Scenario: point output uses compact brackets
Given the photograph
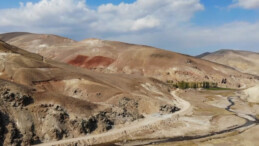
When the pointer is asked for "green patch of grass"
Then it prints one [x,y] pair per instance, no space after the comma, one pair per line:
[193,85]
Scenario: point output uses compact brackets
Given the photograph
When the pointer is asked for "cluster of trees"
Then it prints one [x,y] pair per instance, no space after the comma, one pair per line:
[186,85]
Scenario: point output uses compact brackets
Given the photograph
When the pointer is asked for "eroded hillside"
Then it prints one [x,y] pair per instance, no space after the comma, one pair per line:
[43,100]
[97,92]
[118,57]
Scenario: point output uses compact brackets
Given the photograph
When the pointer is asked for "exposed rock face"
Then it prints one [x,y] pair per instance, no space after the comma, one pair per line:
[169,109]
[53,121]
[10,102]
[129,109]
[16,99]
[4,120]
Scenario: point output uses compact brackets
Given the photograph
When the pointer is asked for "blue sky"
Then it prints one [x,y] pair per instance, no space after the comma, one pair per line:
[185,26]
[217,13]
[92,3]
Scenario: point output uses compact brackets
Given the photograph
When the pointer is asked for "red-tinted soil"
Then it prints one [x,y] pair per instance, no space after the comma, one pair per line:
[96,61]
[79,60]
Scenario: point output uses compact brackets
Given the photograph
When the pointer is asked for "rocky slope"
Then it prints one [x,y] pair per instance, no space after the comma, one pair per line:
[244,61]
[113,93]
[42,100]
[118,57]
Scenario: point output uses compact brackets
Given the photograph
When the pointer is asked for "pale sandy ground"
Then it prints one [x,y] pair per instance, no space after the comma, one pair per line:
[247,136]
[202,113]
[134,127]
[252,94]
[211,104]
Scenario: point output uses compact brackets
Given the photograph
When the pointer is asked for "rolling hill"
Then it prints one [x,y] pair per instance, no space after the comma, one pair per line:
[42,100]
[118,57]
[56,91]
[243,61]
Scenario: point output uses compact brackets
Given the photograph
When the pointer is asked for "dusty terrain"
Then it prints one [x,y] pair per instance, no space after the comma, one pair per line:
[118,57]
[244,61]
[241,134]
[251,94]
[206,118]
[42,100]
[94,92]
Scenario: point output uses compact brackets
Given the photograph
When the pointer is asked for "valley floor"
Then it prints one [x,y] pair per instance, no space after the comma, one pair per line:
[206,117]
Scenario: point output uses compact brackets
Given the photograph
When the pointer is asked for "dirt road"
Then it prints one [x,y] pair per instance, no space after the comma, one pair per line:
[115,134]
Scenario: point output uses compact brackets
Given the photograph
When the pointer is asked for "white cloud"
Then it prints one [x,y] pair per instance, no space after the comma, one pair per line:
[196,40]
[146,22]
[246,4]
[161,23]
[140,15]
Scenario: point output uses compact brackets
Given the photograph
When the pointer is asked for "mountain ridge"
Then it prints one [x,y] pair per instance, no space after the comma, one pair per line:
[244,61]
[118,57]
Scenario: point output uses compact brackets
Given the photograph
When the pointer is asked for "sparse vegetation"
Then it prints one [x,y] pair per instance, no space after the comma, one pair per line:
[194,85]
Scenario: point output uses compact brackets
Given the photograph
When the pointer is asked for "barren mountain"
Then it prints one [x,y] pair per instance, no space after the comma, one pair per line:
[118,57]
[42,100]
[95,92]
[33,42]
[244,61]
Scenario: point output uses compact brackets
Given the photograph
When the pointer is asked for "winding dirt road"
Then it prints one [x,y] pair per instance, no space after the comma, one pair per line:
[251,121]
[115,134]
[149,120]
